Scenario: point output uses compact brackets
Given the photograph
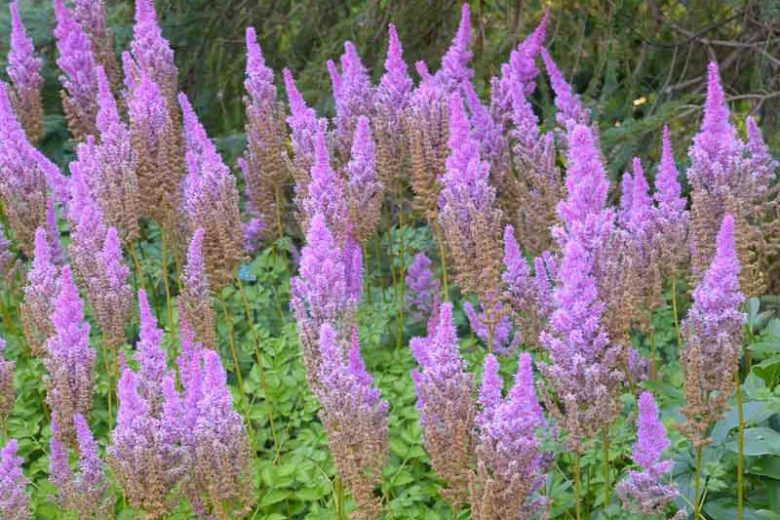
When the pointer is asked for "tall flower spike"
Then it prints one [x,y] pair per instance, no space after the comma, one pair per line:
[570,109]
[150,356]
[455,69]
[195,298]
[265,164]
[304,126]
[221,453]
[53,233]
[145,455]
[713,332]
[527,301]
[422,296]
[510,464]
[155,143]
[393,95]
[671,217]
[79,82]
[24,180]
[83,493]
[355,419]
[584,367]
[211,202]
[6,384]
[24,69]
[70,359]
[320,293]
[354,98]
[39,296]
[364,190]
[470,217]
[88,229]
[326,192]
[111,295]
[91,16]
[117,188]
[444,400]
[14,502]
[152,52]
[644,492]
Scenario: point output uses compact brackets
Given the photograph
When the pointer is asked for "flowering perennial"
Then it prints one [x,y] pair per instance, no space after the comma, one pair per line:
[6,384]
[24,69]
[39,296]
[422,296]
[14,502]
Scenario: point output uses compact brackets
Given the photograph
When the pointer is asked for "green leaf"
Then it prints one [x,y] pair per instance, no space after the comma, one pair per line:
[767,466]
[273,497]
[758,441]
[754,413]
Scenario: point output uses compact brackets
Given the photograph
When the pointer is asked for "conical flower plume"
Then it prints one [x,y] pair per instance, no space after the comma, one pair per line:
[91,16]
[24,69]
[455,69]
[363,190]
[77,63]
[265,163]
[39,296]
[150,356]
[69,362]
[117,188]
[570,109]
[14,502]
[671,217]
[444,401]
[151,52]
[355,419]
[713,333]
[110,292]
[304,126]
[195,298]
[422,294]
[84,492]
[320,293]
[23,184]
[510,463]
[327,192]
[645,492]
[155,144]
[354,96]
[211,202]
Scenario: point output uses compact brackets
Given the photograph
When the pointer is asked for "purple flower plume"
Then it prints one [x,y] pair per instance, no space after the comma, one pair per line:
[423,287]
[151,52]
[354,96]
[39,295]
[24,69]
[326,192]
[455,69]
[14,502]
[6,384]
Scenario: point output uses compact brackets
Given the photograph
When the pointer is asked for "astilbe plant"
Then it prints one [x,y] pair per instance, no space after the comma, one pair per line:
[91,16]
[304,128]
[730,176]
[110,293]
[79,82]
[9,264]
[354,97]
[643,491]
[713,334]
[326,193]
[152,53]
[53,233]
[211,202]
[355,419]
[69,361]
[445,404]
[363,189]
[422,296]
[510,462]
[85,491]
[320,293]
[195,298]
[39,296]
[150,357]
[471,219]
[505,338]
[155,144]
[455,71]
[570,111]
[145,456]
[583,369]
[23,178]
[265,163]
[24,70]
[116,189]
[14,502]
[391,100]
[6,384]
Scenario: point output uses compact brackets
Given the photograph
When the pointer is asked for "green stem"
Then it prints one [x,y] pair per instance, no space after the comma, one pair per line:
[577,484]
[164,273]
[697,485]
[740,447]
[107,364]
[234,355]
[605,448]
[653,355]
[139,273]
[443,260]
[338,488]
